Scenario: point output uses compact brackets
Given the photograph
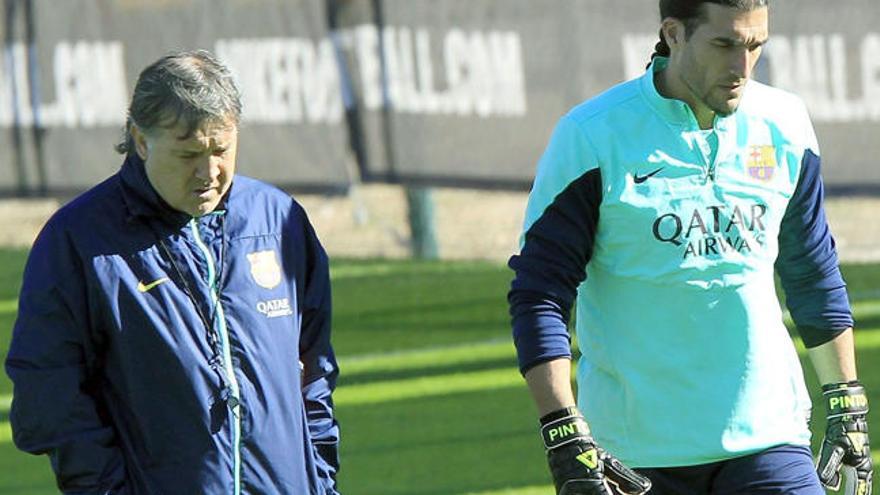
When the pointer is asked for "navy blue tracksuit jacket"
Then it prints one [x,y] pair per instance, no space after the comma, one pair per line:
[155,353]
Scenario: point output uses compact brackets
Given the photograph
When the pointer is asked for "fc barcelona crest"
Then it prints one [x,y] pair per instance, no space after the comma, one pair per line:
[265,268]
[761,162]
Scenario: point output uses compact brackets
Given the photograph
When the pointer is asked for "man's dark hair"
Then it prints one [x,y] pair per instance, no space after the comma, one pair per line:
[692,14]
[191,87]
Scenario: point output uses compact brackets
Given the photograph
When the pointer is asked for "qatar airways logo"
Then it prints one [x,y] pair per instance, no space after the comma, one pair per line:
[713,230]
[274,308]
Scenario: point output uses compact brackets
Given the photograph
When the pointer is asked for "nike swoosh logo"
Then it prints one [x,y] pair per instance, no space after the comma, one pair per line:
[145,287]
[638,179]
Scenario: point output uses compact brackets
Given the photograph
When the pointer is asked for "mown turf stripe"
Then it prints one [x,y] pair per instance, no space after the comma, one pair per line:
[867,340]
[5,428]
[489,350]
[430,357]
[5,432]
[362,270]
[8,306]
[433,386]
[494,349]
[865,294]
[866,308]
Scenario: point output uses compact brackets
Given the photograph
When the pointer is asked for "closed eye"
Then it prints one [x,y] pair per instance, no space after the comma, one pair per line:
[756,46]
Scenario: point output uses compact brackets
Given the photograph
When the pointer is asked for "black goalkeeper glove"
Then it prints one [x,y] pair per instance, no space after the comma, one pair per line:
[846,438]
[578,465]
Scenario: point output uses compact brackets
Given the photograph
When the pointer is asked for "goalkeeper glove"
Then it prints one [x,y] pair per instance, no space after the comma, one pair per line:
[846,437]
[578,465]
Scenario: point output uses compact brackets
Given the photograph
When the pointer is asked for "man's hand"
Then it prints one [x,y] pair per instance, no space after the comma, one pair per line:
[578,465]
[846,437]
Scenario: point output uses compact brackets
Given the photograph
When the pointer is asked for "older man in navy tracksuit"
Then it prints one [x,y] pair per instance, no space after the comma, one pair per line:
[173,334]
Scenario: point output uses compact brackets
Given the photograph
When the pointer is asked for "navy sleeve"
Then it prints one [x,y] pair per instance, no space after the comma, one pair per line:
[807,263]
[52,364]
[549,269]
[320,369]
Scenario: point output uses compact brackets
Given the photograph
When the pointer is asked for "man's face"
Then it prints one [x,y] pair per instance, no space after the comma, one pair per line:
[190,174]
[718,58]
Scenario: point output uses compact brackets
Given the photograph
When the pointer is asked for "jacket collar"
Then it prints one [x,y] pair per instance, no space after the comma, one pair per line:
[675,111]
[142,200]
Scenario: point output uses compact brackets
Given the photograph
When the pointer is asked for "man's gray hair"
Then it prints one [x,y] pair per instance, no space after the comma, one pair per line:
[191,87]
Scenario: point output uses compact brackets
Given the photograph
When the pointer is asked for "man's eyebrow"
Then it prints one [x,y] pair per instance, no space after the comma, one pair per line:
[740,41]
[188,147]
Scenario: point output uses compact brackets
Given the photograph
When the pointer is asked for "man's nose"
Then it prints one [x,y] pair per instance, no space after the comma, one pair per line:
[742,62]
[208,168]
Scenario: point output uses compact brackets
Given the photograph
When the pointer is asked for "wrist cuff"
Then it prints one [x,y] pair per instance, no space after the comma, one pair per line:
[844,399]
[564,430]
[559,414]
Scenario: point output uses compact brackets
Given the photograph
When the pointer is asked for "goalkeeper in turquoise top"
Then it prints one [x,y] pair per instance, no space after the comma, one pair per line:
[662,209]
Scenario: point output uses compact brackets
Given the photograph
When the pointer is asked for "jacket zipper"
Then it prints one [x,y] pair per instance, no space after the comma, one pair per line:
[220,325]
[707,157]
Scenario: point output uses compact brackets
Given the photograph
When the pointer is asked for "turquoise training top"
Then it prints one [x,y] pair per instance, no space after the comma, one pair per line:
[667,237]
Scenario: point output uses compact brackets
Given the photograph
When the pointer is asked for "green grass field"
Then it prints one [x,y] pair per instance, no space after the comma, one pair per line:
[430,400]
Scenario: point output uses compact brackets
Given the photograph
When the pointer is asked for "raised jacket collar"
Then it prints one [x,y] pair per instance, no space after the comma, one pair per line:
[675,111]
[141,198]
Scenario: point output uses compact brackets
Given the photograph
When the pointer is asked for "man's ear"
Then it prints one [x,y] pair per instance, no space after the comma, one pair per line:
[140,141]
[673,31]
